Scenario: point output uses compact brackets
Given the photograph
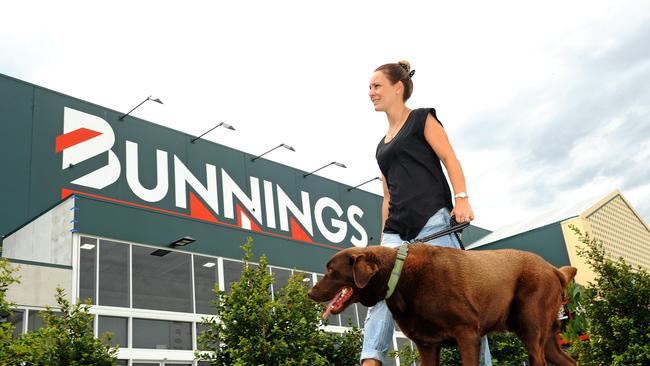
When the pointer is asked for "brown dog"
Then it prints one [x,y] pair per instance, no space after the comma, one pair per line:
[446,296]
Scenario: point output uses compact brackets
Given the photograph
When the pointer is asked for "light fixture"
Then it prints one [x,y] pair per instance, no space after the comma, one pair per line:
[368,181]
[141,103]
[183,241]
[87,246]
[224,124]
[306,279]
[160,252]
[324,166]
[209,265]
[281,145]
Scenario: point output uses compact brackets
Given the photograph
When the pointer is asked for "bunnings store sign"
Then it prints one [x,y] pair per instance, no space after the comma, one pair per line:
[63,145]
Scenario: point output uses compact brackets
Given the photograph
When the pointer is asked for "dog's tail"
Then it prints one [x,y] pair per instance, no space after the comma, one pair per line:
[566,274]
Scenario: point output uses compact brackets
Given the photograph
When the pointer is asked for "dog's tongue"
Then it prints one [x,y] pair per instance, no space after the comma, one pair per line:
[338,300]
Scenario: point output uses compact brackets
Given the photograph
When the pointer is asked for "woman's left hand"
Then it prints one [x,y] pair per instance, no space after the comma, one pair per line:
[462,211]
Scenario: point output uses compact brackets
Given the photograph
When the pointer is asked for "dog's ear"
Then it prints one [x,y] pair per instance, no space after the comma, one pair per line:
[363,270]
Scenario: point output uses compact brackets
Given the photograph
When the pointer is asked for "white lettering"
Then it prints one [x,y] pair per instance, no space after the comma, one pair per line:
[270,204]
[230,189]
[363,240]
[285,204]
[182,175]
[133,179]
[337,236]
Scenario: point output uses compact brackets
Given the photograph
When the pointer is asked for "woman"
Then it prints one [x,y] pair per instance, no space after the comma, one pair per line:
[417,197]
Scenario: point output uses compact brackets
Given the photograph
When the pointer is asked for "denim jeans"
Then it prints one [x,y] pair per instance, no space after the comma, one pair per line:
[378,328]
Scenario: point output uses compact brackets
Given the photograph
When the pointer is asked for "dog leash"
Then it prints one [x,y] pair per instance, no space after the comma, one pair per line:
[403,250]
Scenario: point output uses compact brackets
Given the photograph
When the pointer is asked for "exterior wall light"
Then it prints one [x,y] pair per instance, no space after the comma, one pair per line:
[281,145]
[141,103]
[323,167]
[224,124]
[183,241]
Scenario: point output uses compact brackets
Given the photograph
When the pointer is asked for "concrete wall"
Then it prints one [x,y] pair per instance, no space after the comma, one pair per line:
[38,285]
[47,239]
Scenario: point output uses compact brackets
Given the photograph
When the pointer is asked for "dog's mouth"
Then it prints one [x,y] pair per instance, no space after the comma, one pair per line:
[337,304]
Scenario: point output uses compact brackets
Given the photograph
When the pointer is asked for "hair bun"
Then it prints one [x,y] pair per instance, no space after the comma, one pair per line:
[405,65]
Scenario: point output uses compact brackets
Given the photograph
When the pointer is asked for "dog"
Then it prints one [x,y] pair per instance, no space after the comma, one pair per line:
[448,296]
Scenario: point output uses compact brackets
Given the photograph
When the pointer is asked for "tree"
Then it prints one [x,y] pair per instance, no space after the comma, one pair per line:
[6,328]
[617,308]
[253,328]
[66,340]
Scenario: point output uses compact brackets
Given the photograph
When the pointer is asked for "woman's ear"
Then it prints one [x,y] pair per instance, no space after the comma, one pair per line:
[362,270]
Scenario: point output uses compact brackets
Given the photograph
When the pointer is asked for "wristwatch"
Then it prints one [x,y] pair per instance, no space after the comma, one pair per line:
[461,195]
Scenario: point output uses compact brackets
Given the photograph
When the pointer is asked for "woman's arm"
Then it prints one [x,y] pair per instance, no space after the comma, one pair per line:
[437,138]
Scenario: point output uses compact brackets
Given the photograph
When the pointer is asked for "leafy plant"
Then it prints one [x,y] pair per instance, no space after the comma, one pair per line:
[617,306]
[253,328]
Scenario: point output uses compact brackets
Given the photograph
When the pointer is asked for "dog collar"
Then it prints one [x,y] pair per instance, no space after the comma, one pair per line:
[402,252]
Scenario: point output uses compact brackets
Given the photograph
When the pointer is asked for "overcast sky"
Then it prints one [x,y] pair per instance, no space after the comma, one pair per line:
[546,103]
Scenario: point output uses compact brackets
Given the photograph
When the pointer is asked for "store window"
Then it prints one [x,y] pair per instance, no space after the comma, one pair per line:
[161,282]
[118,327]
[206,275]
[363,313]
[231,272]
[162,334]
[35,320]
[281,278]
[88,269]
[401,344]
[349,316]
[17,320]
[113,274]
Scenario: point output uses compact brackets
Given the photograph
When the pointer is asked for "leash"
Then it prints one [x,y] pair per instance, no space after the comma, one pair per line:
[403,250]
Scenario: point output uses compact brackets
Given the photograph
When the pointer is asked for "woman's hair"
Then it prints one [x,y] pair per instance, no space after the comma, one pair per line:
[399,71]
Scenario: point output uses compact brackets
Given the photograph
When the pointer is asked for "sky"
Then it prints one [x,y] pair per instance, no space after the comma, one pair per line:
[545,103]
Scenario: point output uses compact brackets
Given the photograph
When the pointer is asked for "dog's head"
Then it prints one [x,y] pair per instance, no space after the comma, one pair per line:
[352,275]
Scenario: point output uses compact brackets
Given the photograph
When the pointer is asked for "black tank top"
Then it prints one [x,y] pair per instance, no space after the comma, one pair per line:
[416,183]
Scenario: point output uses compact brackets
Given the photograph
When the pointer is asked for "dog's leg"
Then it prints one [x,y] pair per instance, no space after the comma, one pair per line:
[429,356]
[533,340]
[469,346]
[554,353]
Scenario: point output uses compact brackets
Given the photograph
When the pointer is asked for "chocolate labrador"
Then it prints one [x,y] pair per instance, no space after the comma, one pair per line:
[448,296]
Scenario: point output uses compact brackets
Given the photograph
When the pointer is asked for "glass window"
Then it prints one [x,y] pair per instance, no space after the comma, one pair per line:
[200,328]
[178,364]
[35,321]
[281,278]
[146,363]
[205,277]
[402,343]
[162,334]
[363,312]
[117,326]
[161,282]
[231,272]
[122,363]
[87,269]
[349,316]
[17,320]
[113,274]
[390,361]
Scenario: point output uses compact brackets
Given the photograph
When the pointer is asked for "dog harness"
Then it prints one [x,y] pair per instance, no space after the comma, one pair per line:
[402,252]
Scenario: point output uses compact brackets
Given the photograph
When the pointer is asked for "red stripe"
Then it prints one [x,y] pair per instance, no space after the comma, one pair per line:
[66,192]
[74,137]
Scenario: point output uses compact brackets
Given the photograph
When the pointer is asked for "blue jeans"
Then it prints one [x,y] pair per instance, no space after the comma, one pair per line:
[378,328]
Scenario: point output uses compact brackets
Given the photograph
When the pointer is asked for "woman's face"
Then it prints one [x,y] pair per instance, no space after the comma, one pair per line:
[382,93]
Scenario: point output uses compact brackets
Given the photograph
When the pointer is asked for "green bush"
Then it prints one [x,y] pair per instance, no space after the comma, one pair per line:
[66,340]
[256,329]
[617,308]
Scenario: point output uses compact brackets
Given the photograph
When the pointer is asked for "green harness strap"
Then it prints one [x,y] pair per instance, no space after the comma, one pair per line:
[402,252]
